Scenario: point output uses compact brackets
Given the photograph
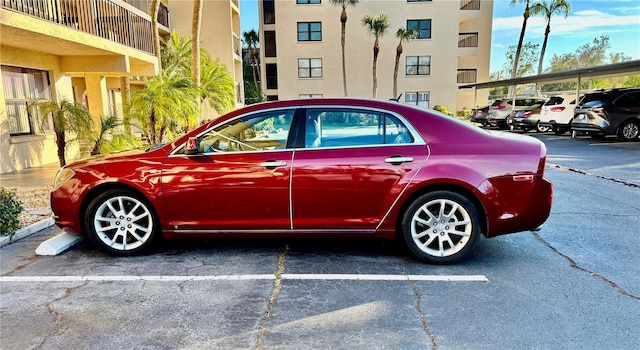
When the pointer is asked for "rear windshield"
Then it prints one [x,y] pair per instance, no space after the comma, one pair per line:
[555,100]
[496,102]
[592,99]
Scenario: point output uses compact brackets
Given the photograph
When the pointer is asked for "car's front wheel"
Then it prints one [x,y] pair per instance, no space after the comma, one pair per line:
[441,227]
[629,130]
[119,222]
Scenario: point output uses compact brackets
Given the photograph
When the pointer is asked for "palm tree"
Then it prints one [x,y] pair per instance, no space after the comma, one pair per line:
[252,39]
[69,119]
[164,104]
[153,12]
[217,86]
[548,9]
[106,125]
[525,14]
[378,26]
[403,35]
[343,20]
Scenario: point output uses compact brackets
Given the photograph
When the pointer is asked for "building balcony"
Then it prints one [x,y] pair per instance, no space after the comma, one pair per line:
[469,9]
[237,47]
[92,33]
[468,44]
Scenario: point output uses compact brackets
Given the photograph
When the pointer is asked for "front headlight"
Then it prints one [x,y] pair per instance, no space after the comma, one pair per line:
[62,176]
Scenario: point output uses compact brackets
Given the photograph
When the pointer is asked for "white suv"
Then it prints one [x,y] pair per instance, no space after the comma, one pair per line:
[557,113]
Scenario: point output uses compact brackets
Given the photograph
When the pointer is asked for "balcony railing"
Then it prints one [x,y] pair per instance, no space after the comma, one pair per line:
[467,76]
[103,18]
[469,4]
[237,45]
[468,40]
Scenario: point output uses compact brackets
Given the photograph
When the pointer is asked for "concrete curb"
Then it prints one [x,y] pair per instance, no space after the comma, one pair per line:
[27,231]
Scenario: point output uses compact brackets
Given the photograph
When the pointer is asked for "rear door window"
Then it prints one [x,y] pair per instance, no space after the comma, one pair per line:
[630,99]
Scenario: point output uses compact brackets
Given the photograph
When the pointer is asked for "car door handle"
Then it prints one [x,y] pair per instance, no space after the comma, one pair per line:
[398,160]
[272,164]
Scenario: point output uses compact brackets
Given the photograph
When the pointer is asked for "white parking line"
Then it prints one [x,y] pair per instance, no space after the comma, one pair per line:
[344,277]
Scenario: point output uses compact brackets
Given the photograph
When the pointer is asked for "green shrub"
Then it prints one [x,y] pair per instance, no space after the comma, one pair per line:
[465,113]
[10,209]
[442,109]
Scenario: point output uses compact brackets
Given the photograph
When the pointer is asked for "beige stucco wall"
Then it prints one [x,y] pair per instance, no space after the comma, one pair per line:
[220,22]
[21,152]
[446,57]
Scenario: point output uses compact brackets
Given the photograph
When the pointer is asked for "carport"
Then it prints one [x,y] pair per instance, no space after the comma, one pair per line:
[577,75]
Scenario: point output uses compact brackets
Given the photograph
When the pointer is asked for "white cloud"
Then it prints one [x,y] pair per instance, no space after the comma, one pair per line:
[575,23]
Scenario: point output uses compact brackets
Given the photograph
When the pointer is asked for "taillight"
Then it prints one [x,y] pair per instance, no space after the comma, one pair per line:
[557,109]
[500,107]
[526,114]
[597,109]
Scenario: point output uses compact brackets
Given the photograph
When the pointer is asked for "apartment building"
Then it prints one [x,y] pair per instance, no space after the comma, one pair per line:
[93,52]
[301,50]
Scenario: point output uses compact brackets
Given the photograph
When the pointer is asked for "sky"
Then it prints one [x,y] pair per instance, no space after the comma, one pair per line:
[588,19]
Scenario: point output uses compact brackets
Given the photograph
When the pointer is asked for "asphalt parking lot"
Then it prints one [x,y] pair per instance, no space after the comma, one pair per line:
[574,284]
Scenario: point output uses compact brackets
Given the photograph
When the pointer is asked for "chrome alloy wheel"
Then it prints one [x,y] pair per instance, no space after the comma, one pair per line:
[630,131]
[123,223]
[441,228]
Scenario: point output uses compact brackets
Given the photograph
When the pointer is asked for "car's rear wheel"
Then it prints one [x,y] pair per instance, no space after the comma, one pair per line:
[441,227]
[629,130]
[541,128]
[121,223]
[559,131]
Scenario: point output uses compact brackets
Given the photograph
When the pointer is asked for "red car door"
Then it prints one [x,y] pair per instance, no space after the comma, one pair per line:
[354,166]
[239,179]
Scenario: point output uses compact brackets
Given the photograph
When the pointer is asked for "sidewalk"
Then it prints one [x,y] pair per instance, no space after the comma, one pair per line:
[30,179]
[27,180]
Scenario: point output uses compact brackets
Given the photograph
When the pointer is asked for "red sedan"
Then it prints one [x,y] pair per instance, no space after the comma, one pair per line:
[330,167]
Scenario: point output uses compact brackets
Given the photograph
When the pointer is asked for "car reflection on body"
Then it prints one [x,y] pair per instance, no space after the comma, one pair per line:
[329,167]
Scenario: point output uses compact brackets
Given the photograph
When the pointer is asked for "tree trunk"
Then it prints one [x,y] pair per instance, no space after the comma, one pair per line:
[343,20]
[514,70]
[544,47]
[395,69]
[195,42]
[152,127]
[61,143]
[376,50]
[153,12]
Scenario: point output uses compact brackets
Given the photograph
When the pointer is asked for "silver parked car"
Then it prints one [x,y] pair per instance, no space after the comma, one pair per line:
[500,109]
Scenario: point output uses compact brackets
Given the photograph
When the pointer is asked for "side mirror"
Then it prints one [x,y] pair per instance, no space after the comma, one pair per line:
[193,146]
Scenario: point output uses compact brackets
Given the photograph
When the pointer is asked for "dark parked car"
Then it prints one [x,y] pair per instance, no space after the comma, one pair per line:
[527,119]
[479,115]
[321,167]
[609,112]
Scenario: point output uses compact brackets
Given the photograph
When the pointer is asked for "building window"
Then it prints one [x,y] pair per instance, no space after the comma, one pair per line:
[310,96]
[269,43]
[468,40]
[422,25]
[309,67]
[309,31]
[467,75]
[24,88]
[418,65]
[304,2]
[469,4]
[272,75]
[269,11]
[418,98]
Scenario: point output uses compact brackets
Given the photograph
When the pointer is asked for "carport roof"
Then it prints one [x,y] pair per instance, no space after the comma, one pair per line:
[609,70]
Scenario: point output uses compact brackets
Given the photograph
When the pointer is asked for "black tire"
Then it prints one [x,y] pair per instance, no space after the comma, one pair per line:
[541,128]
[629,130]
[559,131]
[121,223]
[428,227]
